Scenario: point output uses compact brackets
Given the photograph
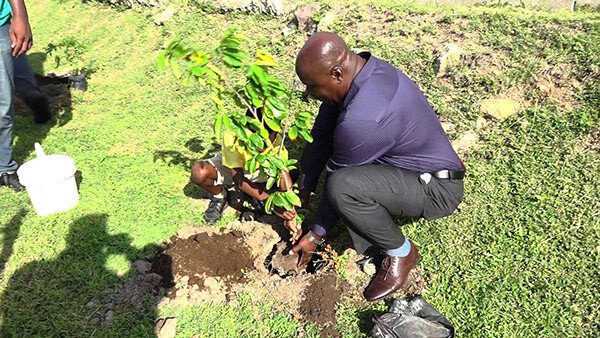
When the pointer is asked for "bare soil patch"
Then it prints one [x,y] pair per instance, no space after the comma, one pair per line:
[200,256]
[210,265]
[320,300]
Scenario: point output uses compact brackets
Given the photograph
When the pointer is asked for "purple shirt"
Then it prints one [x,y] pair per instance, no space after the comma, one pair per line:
[384,119]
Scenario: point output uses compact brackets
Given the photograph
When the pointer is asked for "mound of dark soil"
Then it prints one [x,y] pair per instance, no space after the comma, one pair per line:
[320,300]
[203,255]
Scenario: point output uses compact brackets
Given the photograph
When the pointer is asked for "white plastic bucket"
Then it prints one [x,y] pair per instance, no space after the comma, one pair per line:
[50,182]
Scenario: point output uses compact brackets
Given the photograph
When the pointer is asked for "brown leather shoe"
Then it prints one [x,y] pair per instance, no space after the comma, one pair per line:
[391,275]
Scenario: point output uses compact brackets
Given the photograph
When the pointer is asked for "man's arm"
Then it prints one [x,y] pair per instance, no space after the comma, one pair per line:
[20,31]
[315,154]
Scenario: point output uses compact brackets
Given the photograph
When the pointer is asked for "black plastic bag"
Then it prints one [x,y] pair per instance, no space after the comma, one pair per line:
[412,318]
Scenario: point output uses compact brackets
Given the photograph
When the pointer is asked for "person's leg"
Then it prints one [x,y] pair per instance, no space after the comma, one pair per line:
[26,87]
[210,175]
[367,197]
[7,165]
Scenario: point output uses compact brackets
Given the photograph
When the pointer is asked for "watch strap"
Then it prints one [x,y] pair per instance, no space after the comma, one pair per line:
[311,238]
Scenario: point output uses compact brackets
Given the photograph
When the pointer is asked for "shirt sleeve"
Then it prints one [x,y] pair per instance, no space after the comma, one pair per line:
[315,154]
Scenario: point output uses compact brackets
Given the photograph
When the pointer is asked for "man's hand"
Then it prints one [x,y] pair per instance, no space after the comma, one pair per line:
[295,229]
[20,31]
[287,215]
[307,248]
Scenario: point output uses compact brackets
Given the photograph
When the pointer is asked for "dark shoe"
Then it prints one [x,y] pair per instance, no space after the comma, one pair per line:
[391,275]
[11,180]
[215,209]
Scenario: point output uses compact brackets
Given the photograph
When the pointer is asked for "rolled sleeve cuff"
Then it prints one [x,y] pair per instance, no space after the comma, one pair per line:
[319,230]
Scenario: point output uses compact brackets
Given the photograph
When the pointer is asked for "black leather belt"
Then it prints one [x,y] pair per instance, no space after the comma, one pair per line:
[449,174]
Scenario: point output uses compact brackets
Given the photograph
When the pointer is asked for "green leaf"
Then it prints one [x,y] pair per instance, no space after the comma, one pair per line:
[292,198]
[277,103]
[231,62]
[304,115]
[227,122]
[299,218]
[198,71]
[273,124]
[254,94]
[269,204]
[264,132]
[278,163]
[306,135]
[265,59]
[175,69]
[293,133]
[252,166]
[257,141]
[270,182]
[218,73]
[277,113]
[161,59]
[257,74]
[301,124]
[279,200]
[218,126]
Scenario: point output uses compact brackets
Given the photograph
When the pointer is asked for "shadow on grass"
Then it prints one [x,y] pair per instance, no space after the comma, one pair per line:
[26,131]
[176,158]
[48,297]
[10,232]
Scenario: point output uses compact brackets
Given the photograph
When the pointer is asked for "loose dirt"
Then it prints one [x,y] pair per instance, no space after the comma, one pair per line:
[203,255]
[210,265]
[320,300]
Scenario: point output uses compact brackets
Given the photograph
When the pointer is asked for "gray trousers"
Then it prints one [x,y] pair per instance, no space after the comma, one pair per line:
[369,197]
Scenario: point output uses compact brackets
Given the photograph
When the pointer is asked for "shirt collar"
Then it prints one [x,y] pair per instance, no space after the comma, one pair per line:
[362,77]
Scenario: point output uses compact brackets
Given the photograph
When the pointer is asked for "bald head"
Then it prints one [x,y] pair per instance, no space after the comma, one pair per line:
[327,67]
[322,51]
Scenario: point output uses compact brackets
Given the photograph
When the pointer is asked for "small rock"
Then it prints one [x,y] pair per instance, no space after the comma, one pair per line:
[142,266]
[369,269]
[110,306]
[109,318]
[304,17]
[212,283]
[166,327]
[326,24]
[91,304]
[274,7]
[187,232]
[154,279]
[449,57]
[480,123]
[499,108]
[162,17]
[465,142]
[287,30]
[94,321]
[447,126]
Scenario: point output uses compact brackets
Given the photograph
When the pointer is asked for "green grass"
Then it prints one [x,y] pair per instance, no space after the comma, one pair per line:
[520,258]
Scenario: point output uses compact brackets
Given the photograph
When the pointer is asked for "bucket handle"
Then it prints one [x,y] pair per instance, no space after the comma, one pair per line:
[39,151]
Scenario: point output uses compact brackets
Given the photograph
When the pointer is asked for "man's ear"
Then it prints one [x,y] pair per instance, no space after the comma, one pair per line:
[337,74]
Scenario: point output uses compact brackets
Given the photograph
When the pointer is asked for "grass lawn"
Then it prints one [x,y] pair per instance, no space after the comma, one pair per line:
[520,258]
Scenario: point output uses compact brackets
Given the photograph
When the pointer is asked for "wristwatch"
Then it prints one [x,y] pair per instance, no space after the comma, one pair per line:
[311,238]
